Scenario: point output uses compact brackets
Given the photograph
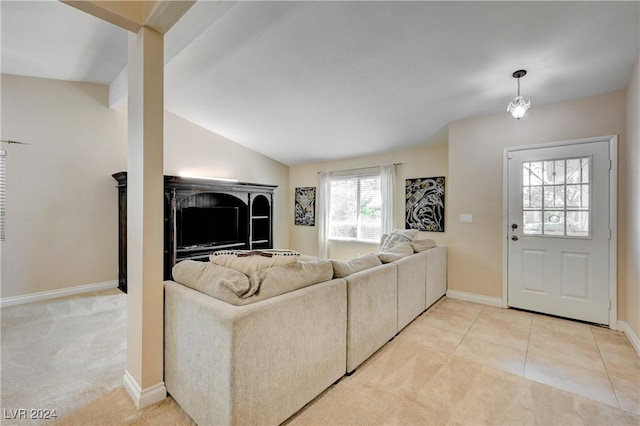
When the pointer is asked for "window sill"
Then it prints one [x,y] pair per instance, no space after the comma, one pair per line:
[353,240]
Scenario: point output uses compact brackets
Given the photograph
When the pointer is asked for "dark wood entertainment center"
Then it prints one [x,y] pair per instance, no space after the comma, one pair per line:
[202,216]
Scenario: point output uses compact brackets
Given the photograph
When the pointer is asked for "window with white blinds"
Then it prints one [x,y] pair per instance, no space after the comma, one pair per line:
[355,208]
[3,168]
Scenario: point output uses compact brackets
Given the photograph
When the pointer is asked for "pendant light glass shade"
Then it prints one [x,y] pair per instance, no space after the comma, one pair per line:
[519,105]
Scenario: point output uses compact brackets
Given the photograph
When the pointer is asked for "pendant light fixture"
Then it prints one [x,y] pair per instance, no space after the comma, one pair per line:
[519,105]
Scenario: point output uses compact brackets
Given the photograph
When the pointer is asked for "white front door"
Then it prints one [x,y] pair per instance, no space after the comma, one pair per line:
[559,232]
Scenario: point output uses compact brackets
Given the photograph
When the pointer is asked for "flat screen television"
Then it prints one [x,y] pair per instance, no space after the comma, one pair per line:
[203,226]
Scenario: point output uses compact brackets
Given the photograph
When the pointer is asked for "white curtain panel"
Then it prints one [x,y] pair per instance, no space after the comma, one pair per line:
[3,168]
[323,215]
[387,186]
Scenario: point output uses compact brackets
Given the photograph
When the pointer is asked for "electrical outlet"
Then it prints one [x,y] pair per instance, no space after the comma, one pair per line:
[466,218]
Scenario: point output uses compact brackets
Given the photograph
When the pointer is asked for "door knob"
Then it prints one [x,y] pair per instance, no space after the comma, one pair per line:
[514,226]
[514,238]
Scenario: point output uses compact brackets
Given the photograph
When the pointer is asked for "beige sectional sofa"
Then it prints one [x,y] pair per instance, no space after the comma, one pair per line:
[259,363]
[384,299]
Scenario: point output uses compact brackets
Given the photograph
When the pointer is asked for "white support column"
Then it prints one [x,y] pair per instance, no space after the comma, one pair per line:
[145,217]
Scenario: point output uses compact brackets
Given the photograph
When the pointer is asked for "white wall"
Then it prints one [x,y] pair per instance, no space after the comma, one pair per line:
[426,160]
[62,217]
[475,178]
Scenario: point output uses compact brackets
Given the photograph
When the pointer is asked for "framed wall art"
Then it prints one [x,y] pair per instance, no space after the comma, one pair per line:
[424,206]
[305,206]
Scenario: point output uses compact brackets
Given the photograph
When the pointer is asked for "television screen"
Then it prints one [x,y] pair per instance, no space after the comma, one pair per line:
[198,226]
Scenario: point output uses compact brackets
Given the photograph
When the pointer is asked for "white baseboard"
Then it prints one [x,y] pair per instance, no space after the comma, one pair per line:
[143,398]
[45,295]
[628,331]
[476,298]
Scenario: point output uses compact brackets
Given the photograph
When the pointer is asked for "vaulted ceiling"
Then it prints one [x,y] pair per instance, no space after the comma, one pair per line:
[309,81]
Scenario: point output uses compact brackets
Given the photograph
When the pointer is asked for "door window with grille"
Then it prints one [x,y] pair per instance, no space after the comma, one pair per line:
[556,197]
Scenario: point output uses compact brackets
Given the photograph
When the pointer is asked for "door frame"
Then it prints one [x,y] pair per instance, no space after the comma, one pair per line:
[613,216]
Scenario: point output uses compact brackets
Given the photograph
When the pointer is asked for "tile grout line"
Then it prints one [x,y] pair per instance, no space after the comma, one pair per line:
[493,343]
[606,370]
[468,329]
[617,404]
[526,353]
[587,368]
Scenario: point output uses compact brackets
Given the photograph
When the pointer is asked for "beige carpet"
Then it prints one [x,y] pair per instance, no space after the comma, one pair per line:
[61,354]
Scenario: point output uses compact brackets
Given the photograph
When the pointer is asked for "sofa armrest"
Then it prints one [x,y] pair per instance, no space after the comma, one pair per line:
[258,363]
[436,274]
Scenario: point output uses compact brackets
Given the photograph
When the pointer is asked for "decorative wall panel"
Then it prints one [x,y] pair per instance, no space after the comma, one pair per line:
[424,206]
[305,206]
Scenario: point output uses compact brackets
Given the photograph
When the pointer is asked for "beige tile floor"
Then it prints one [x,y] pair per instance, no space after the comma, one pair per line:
[587,360]
[458,363]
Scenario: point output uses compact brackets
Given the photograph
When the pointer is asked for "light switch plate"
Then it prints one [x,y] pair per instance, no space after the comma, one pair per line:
[466,218]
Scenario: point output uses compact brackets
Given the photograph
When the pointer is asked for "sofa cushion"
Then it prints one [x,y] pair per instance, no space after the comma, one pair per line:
[396,237]
[214,280]
[422,245]
[343,268]
[249,262]
[278,280]
[308,258]
[238,289]
[397,252]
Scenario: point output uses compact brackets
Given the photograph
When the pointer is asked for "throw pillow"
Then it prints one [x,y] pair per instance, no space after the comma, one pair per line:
[397,252]
[249,262]
[398,236]
[342,268]
[422,245]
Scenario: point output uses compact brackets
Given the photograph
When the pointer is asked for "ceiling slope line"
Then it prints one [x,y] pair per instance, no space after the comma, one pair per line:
[193,23]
